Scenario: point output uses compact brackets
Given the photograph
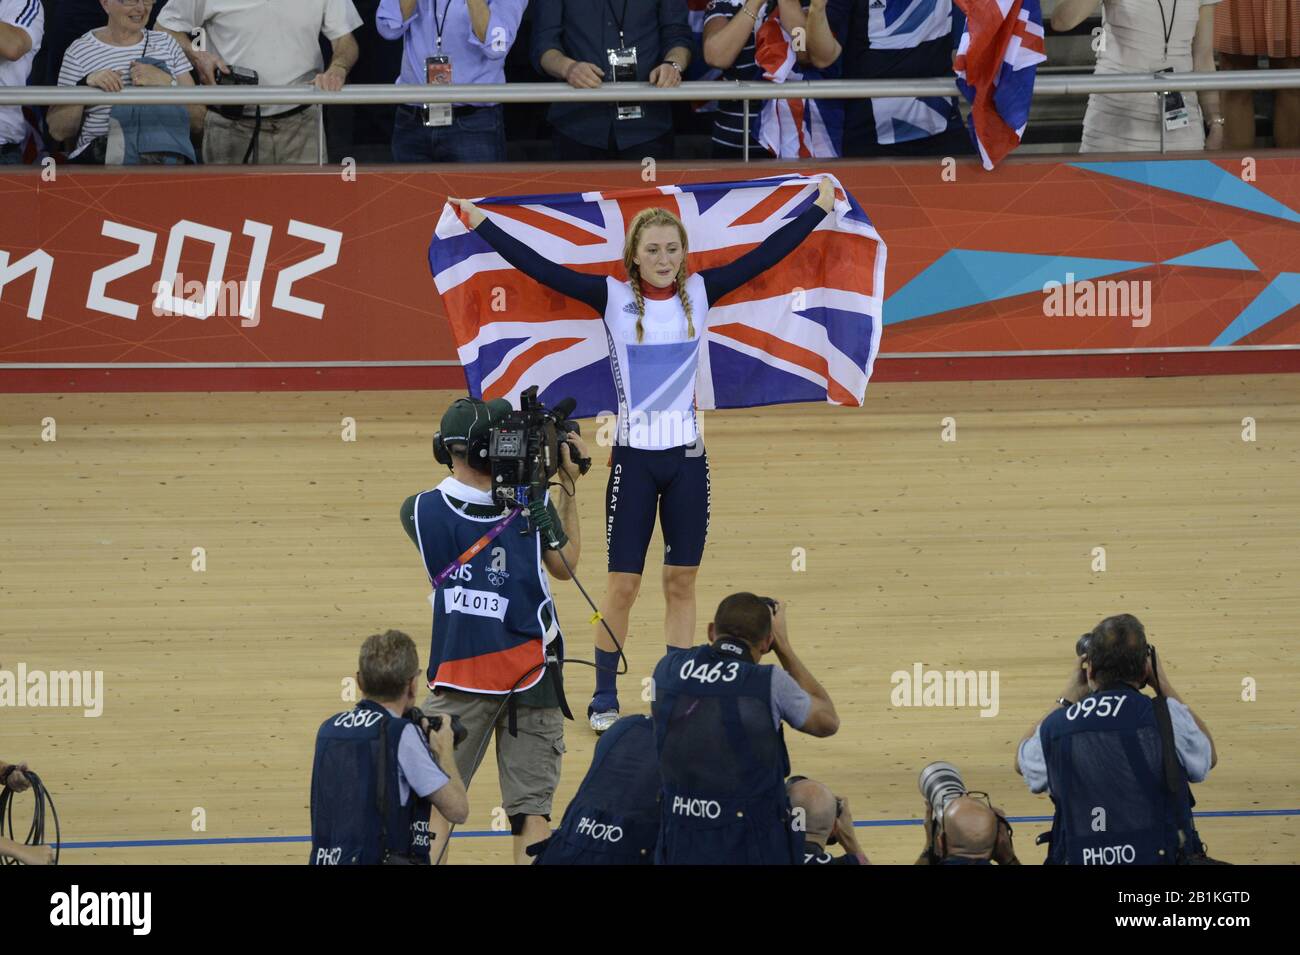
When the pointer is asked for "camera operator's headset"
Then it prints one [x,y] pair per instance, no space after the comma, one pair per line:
[476,452]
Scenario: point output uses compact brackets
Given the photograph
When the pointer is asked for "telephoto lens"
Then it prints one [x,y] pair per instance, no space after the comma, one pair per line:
[940,783]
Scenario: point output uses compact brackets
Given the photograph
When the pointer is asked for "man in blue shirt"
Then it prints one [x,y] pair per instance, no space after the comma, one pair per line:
[577,41]
[459,41]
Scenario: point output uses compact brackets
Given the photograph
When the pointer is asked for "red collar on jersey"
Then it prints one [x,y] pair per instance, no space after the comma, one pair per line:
[659,294]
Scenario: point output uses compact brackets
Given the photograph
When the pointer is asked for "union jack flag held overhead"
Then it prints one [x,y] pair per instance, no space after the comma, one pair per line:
[806,330]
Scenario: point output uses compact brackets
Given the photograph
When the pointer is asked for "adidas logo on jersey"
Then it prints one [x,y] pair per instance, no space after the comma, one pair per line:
[630,308]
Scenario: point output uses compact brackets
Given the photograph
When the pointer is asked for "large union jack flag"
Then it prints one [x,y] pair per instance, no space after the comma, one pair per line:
[806,330]
[997,61]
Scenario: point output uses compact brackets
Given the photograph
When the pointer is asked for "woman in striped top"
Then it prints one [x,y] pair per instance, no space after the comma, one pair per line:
[109,59]
[655,324]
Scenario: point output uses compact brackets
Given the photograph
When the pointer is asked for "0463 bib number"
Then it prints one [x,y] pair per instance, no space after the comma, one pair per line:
[726,672]
[480,603]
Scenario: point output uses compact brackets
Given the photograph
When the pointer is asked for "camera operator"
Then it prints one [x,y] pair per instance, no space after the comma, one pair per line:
[495,631]
[823,819]
[1103,757]
[374,779]
[722,756]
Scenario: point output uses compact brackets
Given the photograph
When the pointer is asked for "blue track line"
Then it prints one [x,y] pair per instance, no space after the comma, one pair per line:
[479,833]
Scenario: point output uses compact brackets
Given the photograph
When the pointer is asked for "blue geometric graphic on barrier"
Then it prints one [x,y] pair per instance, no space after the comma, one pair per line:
[962,277]
[1278,297]
[1198,178]
[1221,255]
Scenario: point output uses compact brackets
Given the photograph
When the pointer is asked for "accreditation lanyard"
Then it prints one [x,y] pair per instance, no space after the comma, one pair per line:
[619,20]
[474,548]
[438,25]
[1167,28]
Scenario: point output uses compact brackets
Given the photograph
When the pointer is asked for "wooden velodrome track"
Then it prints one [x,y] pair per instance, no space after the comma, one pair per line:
[968,555]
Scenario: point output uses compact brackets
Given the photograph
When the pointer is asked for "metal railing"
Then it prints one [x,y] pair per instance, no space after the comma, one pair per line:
[1049,85]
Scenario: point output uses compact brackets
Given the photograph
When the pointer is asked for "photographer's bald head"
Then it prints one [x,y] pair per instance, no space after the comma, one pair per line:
[970,830]
[818,805]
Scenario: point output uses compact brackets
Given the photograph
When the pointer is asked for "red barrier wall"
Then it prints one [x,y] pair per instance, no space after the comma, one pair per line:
[346,300]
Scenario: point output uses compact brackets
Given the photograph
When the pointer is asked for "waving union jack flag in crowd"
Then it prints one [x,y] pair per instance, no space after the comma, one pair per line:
[997,61]
[806,330]
[792,128]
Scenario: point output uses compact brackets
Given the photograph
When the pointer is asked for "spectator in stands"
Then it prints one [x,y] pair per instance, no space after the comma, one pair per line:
[824,819]
[22,24]
[722,757]
[125,53]
[65,21]
[971,832]
[475,37]
[279,42]
[879,46]
[1244,32]
[1100,753]
[13,778]
[1149,36]
[573,41]
[729,42]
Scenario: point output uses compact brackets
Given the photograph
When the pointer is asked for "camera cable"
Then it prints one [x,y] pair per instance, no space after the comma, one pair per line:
[36,832]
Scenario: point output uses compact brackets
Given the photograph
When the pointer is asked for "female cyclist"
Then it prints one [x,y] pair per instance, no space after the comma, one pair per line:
[655,324]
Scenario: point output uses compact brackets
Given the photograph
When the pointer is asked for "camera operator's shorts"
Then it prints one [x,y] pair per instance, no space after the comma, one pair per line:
[676,482]
[528,765]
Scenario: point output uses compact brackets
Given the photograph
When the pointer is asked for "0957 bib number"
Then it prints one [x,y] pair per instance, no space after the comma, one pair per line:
[1095,706]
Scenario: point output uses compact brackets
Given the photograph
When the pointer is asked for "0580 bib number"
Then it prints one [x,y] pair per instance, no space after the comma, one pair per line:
[726,672]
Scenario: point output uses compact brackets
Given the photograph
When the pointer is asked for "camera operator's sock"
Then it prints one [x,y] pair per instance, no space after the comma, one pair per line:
[606,697]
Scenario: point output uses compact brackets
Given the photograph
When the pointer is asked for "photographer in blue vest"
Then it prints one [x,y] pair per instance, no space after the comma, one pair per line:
[613,818]
[494,621]
[718,713]
[374,778]
[1115,762]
